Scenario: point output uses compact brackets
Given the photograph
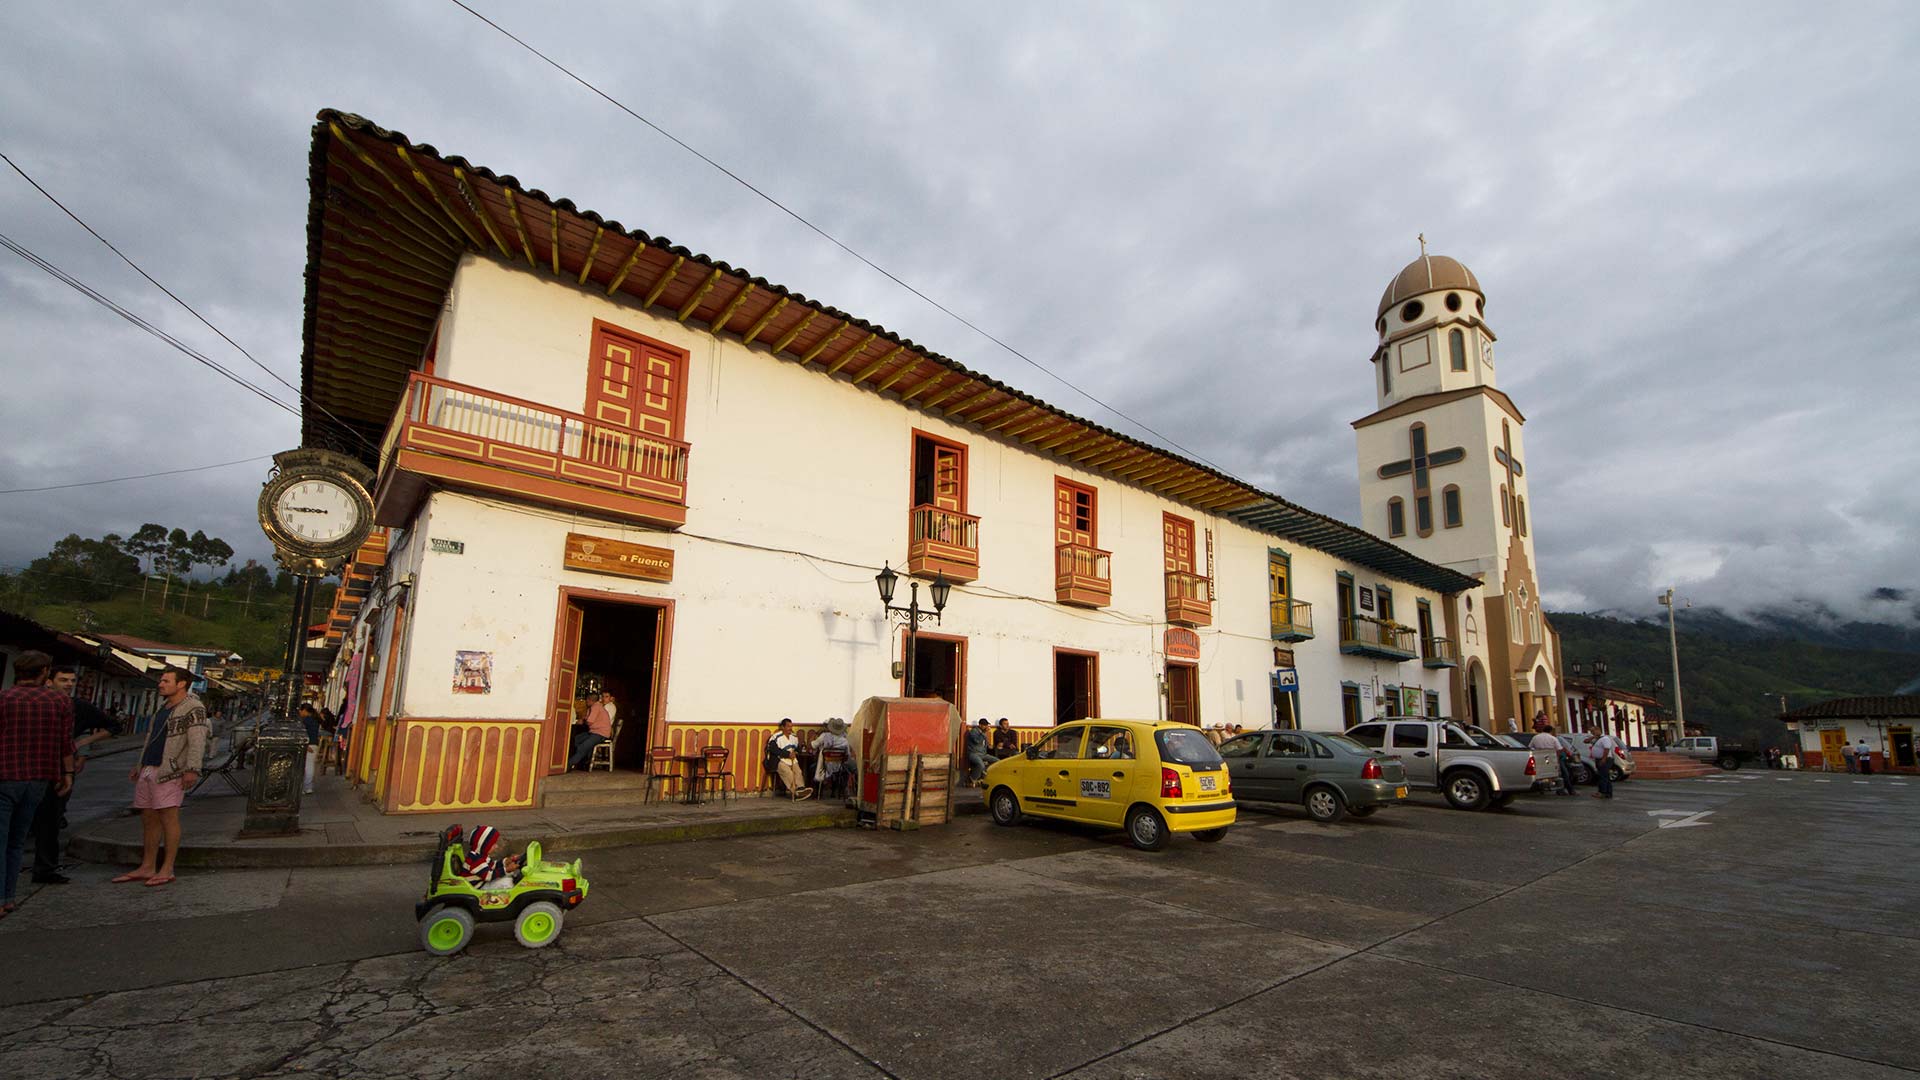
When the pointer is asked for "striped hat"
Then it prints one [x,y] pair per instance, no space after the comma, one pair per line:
[482,839]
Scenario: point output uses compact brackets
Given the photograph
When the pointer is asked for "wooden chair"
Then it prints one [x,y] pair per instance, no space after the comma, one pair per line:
[603,751]
[662,768]
[714,771]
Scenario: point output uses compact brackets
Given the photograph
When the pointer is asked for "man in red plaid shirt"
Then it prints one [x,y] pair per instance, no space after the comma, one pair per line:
[36,756]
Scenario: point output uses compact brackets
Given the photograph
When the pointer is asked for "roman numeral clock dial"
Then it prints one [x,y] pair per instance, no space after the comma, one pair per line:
[316,508]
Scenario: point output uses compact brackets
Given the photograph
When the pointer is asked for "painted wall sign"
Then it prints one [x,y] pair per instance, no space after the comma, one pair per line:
[1366,598]
[1182,644]
[1410,698]
[472,672]
[1282,657]
[598,555]
[446,547]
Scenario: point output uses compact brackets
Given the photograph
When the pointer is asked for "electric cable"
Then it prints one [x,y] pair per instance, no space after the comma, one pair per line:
[836,242]
[142,476]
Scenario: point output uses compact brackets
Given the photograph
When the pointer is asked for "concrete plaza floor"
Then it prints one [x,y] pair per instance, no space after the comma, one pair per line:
[1773,937]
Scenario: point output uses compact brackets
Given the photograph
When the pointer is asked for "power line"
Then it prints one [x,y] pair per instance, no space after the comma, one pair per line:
[303,396]
[142,476]
[100,298]
[835,241]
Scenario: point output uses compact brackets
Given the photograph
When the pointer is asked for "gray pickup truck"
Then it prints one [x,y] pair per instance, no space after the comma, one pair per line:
[1440,756]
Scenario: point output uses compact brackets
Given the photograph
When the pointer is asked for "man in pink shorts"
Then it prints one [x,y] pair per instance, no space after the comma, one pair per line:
[169,764]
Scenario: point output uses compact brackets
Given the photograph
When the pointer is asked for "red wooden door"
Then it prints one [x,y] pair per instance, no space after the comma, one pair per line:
[950,478]
[1179,542]
[636,383]
[566,674]
[1073,514]
[1183,694]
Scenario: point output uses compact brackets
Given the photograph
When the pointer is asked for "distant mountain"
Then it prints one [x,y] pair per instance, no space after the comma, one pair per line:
[1733,671]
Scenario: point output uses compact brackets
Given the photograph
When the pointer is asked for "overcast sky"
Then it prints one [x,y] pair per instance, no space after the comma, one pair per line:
[1696,225]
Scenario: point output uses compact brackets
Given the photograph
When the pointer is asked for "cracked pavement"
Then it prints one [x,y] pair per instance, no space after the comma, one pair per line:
[1568,936]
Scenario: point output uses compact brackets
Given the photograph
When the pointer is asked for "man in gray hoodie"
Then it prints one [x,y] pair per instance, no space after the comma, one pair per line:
[169,766]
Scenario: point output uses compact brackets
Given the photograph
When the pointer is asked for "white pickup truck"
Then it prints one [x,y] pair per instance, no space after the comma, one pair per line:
[1440,756]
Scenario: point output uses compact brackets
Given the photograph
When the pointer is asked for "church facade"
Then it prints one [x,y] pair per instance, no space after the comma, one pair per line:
[1443,472]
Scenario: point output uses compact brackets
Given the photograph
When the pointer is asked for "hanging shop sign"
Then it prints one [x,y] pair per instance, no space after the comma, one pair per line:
[599,555]
[1282,657]
[1182,644]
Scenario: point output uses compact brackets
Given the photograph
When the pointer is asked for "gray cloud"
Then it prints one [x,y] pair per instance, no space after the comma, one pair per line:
[1694,223]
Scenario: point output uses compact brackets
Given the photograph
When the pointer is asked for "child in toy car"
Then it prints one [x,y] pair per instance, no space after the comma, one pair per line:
[468,886]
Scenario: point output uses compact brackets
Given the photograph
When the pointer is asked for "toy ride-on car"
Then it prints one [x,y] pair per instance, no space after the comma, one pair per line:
[537,903]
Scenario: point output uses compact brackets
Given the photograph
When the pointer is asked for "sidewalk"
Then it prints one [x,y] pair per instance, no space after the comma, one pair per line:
[340,828]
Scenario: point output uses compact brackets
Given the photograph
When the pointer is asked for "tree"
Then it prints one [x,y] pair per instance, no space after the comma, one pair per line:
[85,570]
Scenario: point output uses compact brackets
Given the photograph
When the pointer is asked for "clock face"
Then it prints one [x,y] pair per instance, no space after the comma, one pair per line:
[1486,352]
[317,511]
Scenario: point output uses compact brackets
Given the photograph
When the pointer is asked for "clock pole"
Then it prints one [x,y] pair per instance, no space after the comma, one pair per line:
[315,509]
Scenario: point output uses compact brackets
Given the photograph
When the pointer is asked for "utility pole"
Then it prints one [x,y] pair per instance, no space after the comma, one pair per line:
[1673,644]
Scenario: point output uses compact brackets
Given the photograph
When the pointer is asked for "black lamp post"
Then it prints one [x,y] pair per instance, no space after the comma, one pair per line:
[911,615]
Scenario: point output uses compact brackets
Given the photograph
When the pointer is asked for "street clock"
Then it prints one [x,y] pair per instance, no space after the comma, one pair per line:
[315,508]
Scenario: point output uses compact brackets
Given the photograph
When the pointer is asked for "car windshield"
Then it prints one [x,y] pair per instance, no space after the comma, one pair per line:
[1481,737]
[1345,743]
[1183,746]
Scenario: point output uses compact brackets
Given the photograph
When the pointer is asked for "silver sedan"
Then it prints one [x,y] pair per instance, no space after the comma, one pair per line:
[1331,775]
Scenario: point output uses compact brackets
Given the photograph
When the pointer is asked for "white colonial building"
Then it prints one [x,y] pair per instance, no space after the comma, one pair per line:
[604,459]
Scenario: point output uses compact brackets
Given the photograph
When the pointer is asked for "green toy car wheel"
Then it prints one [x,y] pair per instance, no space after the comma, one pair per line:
[539,924]
[446,930]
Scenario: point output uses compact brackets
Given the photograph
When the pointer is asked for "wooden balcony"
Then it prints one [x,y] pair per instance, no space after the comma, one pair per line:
[1083,576]
[943,542]
[456,436]
[1292,620]
[1364,636]
[1439,652]
[1189,599]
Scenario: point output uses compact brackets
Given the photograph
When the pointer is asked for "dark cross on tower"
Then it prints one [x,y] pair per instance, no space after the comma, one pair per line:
[1420,463]
[1504,455]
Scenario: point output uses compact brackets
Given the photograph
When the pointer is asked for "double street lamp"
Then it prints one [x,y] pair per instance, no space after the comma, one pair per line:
[1599,683]
[911,615]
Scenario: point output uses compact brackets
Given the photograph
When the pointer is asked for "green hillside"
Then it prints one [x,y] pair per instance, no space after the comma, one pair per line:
[1732,682]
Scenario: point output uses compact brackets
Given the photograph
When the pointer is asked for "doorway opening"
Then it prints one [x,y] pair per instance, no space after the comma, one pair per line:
[1902,740]
[1076,685]
[1284,716]
[1349,705]
[939,669]
[613,644]
[1183,693]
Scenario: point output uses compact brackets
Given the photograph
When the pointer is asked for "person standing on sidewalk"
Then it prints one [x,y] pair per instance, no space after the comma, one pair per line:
[90,725]
[1549,757]
[1864,758]
[169,764]
[36,758]
[1602,755]
[1846,752]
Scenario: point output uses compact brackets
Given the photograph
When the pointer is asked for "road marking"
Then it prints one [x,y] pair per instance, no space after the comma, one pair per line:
[1823,781]
[1863,781]
[1680,819]
[1783,780]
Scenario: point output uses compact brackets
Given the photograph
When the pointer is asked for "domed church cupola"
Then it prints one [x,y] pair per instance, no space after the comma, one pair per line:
[1433,334]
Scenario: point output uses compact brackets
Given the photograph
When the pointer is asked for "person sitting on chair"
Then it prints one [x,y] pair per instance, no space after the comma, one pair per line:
[977,756]
[480,869]
[1006,741]
[599,730]
[782,759]
[831,740]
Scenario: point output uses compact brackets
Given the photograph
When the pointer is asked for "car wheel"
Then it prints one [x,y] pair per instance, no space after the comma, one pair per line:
[1616,773]
[1583,774]
[1502,800]
[1362,811]
[1146,830]
[1324,805]
[1211,836]
[1729,763]
[538,924]
[446,930]
[1005,806]
[1466,790]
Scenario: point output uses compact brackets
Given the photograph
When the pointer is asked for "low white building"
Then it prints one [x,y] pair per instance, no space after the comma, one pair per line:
[1884,724]
[603,459]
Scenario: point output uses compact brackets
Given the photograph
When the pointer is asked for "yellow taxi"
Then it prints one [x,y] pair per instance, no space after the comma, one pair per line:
[1151,778]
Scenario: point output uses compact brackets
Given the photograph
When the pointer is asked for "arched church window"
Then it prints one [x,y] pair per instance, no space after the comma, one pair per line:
[1450,506]
[1480,305]
[1520,514]
[1423,514]
[1411,311]
[1473,630]
[1386,371]
[1506,508]
[1453,301]
[1457,347]
[1396,517]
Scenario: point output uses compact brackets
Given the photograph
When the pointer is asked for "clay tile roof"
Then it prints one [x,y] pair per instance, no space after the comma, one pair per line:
[1425,274]
[1891,705]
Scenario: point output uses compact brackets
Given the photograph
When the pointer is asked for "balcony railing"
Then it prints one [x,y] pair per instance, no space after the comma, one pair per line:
[1439,652]
[1083,575]
[1189,599]
[1361,635]
[470,437]
[1292,620]
[943,542]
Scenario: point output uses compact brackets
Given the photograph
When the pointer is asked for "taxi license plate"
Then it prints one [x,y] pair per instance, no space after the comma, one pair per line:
[1399,793]
[1209,783]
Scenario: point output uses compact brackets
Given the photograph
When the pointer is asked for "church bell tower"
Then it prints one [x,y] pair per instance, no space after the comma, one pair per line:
[1443,474]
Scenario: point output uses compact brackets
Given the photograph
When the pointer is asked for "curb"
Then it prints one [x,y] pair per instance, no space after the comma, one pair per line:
[262,855]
